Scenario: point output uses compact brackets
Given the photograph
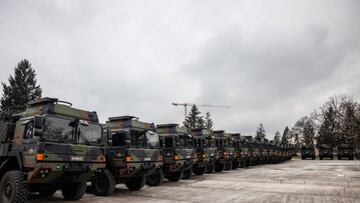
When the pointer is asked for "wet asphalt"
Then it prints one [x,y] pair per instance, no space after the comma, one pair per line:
[291,181]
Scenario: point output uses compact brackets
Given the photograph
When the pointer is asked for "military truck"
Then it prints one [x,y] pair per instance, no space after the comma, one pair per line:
[307,151]
[245,152]
[205,153]
[47,147]
[253,151]
[267,151]
[225,150]
[179,155]
[326,151]
[210,150]
[263,154]
[238,156]
[345,151]
[132,154]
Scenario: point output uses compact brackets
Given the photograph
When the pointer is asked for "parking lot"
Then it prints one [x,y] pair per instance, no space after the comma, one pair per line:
[291,181]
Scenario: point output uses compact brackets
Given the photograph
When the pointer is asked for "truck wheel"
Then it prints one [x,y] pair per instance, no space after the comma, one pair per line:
[156,178]
[228,165]
[47,192]
[136,183]
[13,187]
[188,173]
[210,168]
[235,164]
[103,184]
[175,176]
[351,158]
[199,171]
[219,167]
[331,158]
[321,158]
[74,191]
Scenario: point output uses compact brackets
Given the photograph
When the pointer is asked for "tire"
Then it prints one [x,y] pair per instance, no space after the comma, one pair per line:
[136,183]
[210,168]
[13,188]
[332,158]
[175,176]
[47,192]
[235,164]
[156,178]
[339,157]
[74,191]
[188,173]
[351,158]
[103,184]
[321,158]
[199,171]
[219,167]
[228,165]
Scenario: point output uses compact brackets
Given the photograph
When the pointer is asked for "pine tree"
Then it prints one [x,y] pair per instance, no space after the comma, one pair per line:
[209,124]
[260,132]
[22,88]
[285,136]
[277,137]
[328,128]
[194,119]
[308,132]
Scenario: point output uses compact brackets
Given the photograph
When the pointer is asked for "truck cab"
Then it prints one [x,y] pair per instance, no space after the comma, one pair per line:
[326,151]
[225,147]
[204,154]
[238,160]
[345,151]
[179,155]
[307,151]
[132,153]
[49,146]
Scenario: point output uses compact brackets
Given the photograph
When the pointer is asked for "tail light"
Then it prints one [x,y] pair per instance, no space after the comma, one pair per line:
[177,157]
[39,157]
[128,158]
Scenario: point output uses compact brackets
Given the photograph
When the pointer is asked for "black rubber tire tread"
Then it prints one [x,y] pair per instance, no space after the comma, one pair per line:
[136,183]
[199,171]
[73,191]
[175,176]
[156,178]
[20,186]
[188,174]
[210,168]
[219,167]
[228,165]
[111,183]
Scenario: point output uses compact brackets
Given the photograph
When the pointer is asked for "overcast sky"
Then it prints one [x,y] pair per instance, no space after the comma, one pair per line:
[271,61]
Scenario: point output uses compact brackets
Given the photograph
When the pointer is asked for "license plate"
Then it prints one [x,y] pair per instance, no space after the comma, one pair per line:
[76,158]
[147,159]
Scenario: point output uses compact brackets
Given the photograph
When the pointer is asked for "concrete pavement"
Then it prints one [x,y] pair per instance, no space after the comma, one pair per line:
[292,181]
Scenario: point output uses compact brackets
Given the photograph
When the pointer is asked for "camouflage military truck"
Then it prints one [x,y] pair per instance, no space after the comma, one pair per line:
[179,155]
[225,158]
[238,156]
[210,149]
[277,152]
[253,151]
[272,152]
[326,151]
[307,151]
[345,151]
[205,153]
[262,158]
[132,153]
[357,153]
[47,147]
[245,152]
[225,143]
[266,149]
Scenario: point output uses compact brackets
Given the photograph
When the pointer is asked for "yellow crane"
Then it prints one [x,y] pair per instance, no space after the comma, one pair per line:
[185,105]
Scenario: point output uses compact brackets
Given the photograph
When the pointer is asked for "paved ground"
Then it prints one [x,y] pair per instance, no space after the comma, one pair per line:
[292,181]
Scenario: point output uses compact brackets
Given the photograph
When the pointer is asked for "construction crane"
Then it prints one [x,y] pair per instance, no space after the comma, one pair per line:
[185,105]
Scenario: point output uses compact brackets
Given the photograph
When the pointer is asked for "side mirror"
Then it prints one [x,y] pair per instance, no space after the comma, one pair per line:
[38,122]
[38,126]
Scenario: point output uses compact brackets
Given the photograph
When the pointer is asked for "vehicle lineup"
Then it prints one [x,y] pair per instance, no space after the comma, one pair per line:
[52,146]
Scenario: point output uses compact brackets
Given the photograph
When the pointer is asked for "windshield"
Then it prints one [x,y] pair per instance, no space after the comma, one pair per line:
[66,130]
[306,147]
[345,147]
[185,141]
[169,142]
[219,142]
